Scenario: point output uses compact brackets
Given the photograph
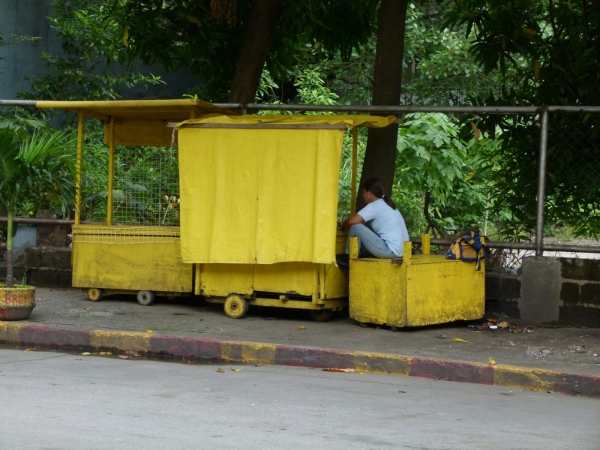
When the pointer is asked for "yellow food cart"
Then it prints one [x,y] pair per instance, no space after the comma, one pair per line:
[132,254]
[259,209]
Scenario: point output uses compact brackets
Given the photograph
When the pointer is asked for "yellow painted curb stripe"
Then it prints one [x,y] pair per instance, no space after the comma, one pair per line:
[378,363]
[248,352]
[134,341]
[524,378]
[9,331]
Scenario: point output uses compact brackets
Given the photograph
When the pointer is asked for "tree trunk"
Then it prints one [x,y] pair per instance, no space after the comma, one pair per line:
[380,157]
[431,225]
[263,21]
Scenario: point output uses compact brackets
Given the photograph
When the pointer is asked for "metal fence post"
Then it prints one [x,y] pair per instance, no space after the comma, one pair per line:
[539,229]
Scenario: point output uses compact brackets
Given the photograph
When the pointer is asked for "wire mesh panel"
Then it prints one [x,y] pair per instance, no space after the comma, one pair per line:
[125,235]
[146,186]
[573,174]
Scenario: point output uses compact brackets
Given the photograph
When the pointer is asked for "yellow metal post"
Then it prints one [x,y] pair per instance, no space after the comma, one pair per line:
[78,168]
[426,244]
[407,255]
[354,169]
[354,251]
[111,165]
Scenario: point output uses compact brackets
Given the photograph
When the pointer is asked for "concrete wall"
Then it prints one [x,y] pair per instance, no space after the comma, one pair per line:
[502,294]
[28,18]
[562,291]
[43,267]
[25,18]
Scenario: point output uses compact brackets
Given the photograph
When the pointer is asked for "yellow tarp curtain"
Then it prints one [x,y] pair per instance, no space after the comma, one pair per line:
[254,195]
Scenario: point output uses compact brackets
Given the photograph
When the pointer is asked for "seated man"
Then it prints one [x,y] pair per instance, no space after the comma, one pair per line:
[386,233]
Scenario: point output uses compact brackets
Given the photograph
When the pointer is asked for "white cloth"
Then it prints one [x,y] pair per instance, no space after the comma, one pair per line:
[387,223]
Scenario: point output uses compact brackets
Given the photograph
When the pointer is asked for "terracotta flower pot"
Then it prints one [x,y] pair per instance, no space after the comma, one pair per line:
[16,303]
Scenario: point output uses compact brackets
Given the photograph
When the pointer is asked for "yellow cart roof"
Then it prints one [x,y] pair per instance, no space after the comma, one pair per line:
[140,122]
[139,110]
[281,121]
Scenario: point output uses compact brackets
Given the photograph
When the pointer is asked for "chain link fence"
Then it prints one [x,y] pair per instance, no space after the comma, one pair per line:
[472,167]
[458,167]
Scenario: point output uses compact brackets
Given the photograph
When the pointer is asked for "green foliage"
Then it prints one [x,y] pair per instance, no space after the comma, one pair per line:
[192,34]
[38,170]
[14,39]
[438,68]
[502,30]
[547,52]
[572,191]
[430,154]
[87,71]
[22,121]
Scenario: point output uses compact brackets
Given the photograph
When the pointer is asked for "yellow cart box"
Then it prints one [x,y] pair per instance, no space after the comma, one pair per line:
[414,290]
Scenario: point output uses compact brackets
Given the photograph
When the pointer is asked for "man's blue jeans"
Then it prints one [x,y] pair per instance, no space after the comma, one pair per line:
[369,243]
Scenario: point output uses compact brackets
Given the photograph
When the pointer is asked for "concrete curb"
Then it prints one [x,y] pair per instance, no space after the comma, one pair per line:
[260,353]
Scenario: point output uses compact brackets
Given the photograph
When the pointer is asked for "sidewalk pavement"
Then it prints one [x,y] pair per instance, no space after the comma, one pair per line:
[553,359]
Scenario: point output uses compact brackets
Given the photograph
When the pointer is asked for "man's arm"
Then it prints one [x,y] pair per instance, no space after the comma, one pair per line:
[355,219]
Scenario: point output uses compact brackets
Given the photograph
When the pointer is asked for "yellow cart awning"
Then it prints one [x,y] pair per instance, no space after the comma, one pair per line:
[261,189]
[140,122]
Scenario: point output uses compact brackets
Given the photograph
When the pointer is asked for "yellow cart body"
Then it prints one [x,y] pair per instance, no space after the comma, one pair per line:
[415,290]
[128,259]
[299,285]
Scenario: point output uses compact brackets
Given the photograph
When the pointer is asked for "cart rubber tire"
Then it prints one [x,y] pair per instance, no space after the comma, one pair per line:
[321,315]
[95,294]
[145,298]
[236,306]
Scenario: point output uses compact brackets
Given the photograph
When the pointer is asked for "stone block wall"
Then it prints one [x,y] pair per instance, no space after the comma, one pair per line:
[502,293]
[43,267]
[579,300]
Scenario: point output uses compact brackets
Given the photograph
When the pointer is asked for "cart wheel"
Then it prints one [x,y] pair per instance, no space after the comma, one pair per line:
[394,328]
[321,315]
[145,298]
[235,306]
[95,294]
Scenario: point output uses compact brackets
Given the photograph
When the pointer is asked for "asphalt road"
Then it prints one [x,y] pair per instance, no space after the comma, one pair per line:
[52,400]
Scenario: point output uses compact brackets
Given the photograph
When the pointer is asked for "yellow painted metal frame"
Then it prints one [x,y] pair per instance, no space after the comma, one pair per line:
[354,169]
[423,289]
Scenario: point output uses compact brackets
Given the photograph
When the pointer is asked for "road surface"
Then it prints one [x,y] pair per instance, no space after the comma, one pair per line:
[51,400]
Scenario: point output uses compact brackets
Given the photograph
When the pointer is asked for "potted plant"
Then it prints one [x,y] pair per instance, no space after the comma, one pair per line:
[34,169]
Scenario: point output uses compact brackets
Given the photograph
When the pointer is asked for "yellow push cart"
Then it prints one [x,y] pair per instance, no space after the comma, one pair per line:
[259,209]
[136,250]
